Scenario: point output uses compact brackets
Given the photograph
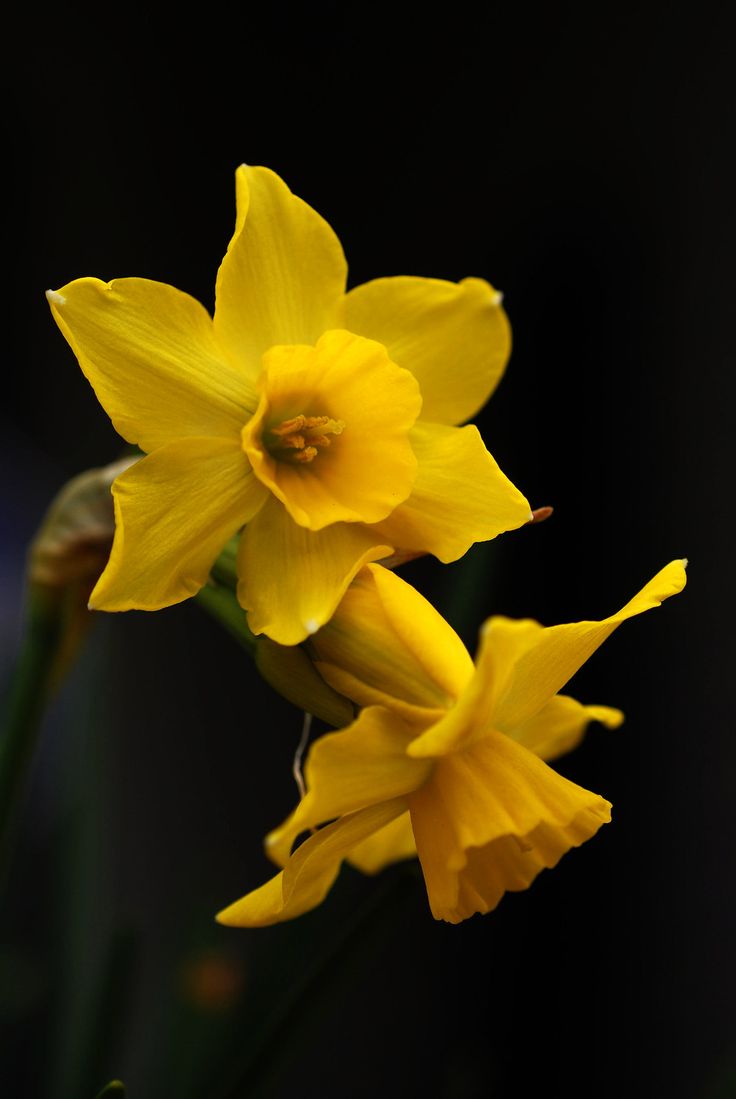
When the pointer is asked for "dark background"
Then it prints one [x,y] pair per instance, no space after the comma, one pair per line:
[583,161]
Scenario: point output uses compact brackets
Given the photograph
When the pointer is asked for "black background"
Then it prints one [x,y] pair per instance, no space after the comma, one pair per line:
[582,159]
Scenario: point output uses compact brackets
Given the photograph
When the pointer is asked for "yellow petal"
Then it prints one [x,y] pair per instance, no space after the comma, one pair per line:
[283,277]
[365,466]
[560,726]
[150,354]
[489,819]
[174,511]
[310,872]
[521,665]
[393,843]
[349,770]
[291,579]
[454,337]
[473,714]
[460,496]
[386,644]
[543,664]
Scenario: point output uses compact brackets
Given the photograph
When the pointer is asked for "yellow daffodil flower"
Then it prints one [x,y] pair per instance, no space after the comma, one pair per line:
[446,760]
[319,422]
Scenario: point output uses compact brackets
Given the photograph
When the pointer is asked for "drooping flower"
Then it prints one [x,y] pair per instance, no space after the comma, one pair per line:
[446,760]
[318,422]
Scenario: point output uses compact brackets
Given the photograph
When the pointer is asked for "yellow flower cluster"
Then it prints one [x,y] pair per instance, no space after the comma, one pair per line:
[319,427]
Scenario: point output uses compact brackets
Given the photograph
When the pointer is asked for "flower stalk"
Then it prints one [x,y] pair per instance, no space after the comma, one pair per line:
[64,561]
[287,669]
[36,670]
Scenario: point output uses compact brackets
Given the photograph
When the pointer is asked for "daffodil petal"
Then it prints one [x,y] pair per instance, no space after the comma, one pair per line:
[353,686]
[454,337]
[283,277]
[474,712]
[394,843]
[544,662]
[150,354]
[521,665]
[349,770]
[490,819]
[291,579]
[311,871]
[174,511]
[386,644]
[560,726]
[460,495]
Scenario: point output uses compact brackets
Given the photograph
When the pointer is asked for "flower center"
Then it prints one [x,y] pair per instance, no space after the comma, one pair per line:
[300,438]
[344,385]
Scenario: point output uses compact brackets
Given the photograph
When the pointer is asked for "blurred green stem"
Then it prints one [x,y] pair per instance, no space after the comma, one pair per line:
[332,976]
[107,1014]
[222,605]
[33,679]
[65,559]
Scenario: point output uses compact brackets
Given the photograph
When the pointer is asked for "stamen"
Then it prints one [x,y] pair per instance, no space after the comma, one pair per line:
[538,515]
[296,441]
[296,423]
[301,437]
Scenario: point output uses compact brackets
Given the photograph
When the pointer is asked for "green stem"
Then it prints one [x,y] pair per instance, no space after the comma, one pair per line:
[351,946]
[224,570]
[31,684]
[220,602]
[108,1013]
[287,668]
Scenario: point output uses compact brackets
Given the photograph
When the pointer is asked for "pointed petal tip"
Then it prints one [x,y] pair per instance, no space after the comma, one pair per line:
[55,298]
[685,562]
[224,916]
[497,298]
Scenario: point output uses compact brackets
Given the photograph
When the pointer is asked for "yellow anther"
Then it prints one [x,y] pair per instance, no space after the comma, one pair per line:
[296,441]
[306,455]
[301,437]
[296,423]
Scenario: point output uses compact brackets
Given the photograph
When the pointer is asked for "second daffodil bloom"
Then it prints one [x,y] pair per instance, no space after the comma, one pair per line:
[320,423]
[446,760]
